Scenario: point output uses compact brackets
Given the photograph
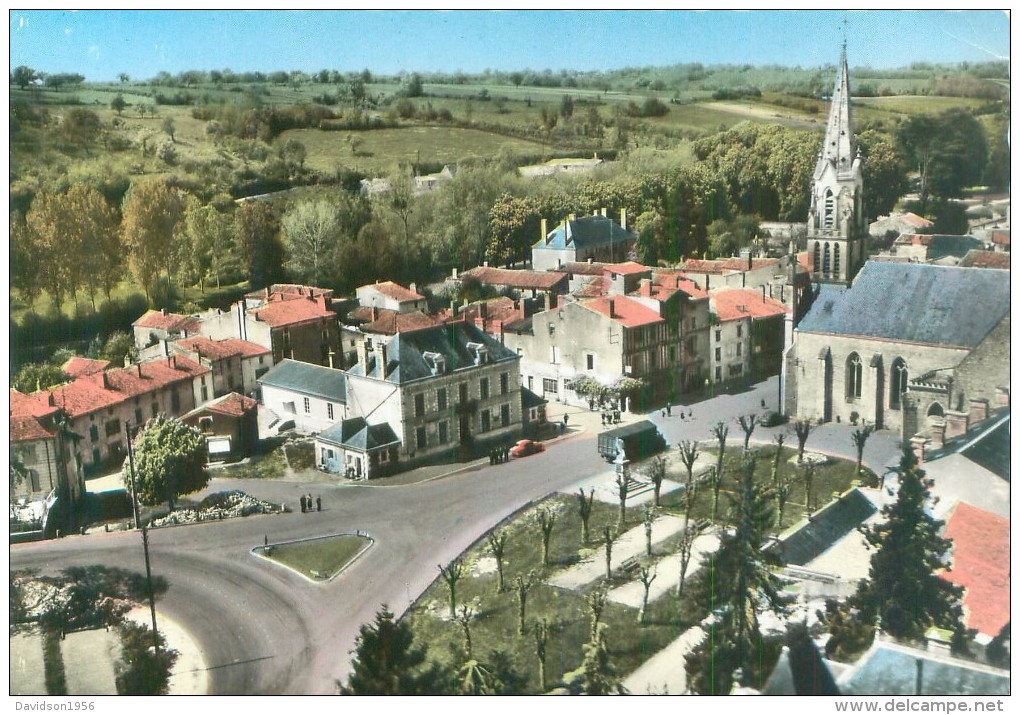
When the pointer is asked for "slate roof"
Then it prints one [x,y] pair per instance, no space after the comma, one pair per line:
[942,245]
[308,379]
[980,565]
[355,433]
[991,450]
[405,352]
[913,303]
[585,232]
[529,399]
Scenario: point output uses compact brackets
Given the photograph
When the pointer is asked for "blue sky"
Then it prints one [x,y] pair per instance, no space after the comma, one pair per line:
[101,44]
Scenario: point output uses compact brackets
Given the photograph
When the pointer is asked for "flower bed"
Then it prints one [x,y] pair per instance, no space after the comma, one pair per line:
[222,505]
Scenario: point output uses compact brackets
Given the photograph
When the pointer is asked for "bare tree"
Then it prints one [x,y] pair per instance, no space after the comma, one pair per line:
[803,430]
[647,576]
[546,522]
[452,574]
[610,535]
[497,545]
[584,504]
[523,586]
[464,617]
[649,517]
[689,455]
[782,494]
[780,438]
[720,431]
[656,472]
[686,550]
[541,631]
[747,424]
[621,490]
[860,438]
[808,475]
[596,601]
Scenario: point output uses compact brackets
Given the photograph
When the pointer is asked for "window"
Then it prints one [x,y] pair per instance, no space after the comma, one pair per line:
[205,394]
[825,260]
[286,337]
[307,405]
[419,405]
[740,331]
[718,374]
[672,354]
[175,401]
[739,349]
[94,433]
[817,264]
[590,361]
[899,383]
[549,386]
[329,410]
[441,398]
[483,388]
[835,258]
[853,376]
[736,369]
[829,219]
[155,409]
[718,354]
[261,359]
[205,424]
[419,438]
[112,428]
[718,336]
[289,407]
[504,415]
[138,416]
[653,359]
[463,392]
[504,383]
[384,456]
[486,421]
[444,432]
[531,382]
[554,354]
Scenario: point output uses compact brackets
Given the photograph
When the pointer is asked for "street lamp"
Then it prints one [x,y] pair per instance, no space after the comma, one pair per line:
[145,540]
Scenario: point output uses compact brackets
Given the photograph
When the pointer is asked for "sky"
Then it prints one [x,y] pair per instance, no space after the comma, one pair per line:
[101,44]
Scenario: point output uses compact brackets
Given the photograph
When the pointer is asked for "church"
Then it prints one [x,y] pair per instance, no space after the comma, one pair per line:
[916,348]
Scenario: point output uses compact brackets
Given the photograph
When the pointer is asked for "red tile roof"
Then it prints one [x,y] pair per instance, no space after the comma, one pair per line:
[1000,237]
[391,322]
[94,392]
[78,366]
[594,288]
[396,291]
[28,429]
[726,265]
[246,348]
[678,281]
[544,280]
[627,268]
[579,268]
[738,303]
[211,349]
[983,259]
[981,566]
[287,290]
[37,404]
[171,322]
[625,311]
[281,313]
[231,404]
[915,220]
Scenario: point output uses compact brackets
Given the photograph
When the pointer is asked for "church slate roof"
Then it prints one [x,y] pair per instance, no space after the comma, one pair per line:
[914,303]
[308,379]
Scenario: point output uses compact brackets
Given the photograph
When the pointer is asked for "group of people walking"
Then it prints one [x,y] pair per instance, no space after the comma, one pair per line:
[308,504]
[499,455]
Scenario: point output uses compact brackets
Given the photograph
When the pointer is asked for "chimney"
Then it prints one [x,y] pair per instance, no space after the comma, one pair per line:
[595,212]
[645,287]
[267,292]
[166,347]
[956,423]
[485,264]
[549,302]
[1002,397]
[163,311]
[611,307]
[545,231]
[106,380]
[363,354]
[198,352]
[331,355]
[375,314]
[413,287]
[454,272]
[623,219]
[603,212]
[938,435]
[453,308]
[383,361]
[483,309]
[139,366]
[917,444]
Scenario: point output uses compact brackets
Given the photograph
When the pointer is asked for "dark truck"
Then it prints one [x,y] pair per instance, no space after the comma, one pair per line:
[639,440]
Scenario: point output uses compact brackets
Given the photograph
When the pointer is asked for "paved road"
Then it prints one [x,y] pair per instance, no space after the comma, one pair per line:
[267,630]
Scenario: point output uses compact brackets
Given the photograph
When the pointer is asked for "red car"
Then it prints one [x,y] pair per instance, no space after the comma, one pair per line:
[525,447]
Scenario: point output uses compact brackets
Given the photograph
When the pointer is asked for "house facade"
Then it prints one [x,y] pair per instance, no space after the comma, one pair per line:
[229,425]
[747,337]
[314,397]
[595,238]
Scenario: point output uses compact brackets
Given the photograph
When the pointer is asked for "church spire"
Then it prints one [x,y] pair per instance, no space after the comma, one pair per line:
[838,147]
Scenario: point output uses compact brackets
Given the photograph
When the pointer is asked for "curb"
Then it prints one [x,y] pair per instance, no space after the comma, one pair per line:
[319,582]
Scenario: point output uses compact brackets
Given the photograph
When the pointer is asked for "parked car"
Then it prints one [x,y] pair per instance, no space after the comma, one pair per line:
[525,447]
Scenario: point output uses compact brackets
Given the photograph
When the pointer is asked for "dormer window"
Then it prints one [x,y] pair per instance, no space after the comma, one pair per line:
[480,353]
[436,362]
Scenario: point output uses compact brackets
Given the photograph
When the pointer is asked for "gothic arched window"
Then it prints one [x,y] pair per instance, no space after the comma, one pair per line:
[826,263]
[818,256]
[898,384]
[835,258]
[854,373]
[936,410]
[829,215]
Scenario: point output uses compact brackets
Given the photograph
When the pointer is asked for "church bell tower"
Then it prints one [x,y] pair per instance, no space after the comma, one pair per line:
[836,228]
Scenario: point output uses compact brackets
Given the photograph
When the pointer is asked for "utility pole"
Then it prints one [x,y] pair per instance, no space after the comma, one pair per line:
[145,542]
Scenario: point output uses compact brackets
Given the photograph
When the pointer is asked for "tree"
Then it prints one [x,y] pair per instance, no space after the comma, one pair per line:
[549,121]
[747,424]
[541,632]
[807,474]
[779,439]
[118,104]
[513,225]
[596,675]
[387,662]
[210,235]
[523,586]
[81,127]
[312,236]
[258,238]
[720,430]
[803,430]
[610,534]
[452,574]
[781,489]
[294,153]
[118,346]
[886,170]
[123,78]
[464,617]
[726,237]
[566,106]
[26,260]
[647,576]
[689,456]
[169,128]
[23,76]
[169,461]
[96,239]
[38,376]
[859,437]
[400,201]
[414,86]
[596,601]
[904,587]
[497,545]
[48,223]
[621,491]
[584,505]
[949,151]
[546,522]
[649,519]
[142,670]
[153,219]
[656,473]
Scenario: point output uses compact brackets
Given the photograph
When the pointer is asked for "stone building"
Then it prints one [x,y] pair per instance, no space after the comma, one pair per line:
[236,364]
[229,425]
[314,397]
[595,237]
[747,336]
[908,347]
[156,325]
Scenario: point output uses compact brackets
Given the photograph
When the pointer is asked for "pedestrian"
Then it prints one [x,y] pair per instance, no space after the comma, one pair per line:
[681,415]
[267,541]
[506,453]
[690,414]
[763,403]
[304,504]
[318,503]
[664,414]
[565,418]
[669,410]
[309,502]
